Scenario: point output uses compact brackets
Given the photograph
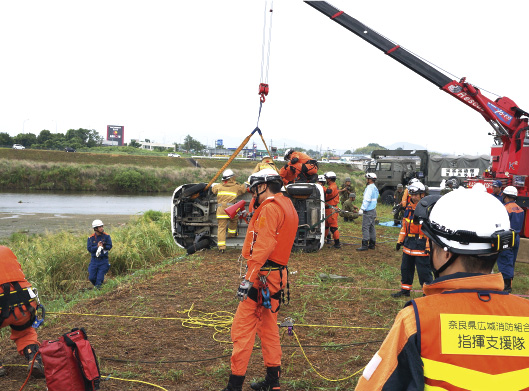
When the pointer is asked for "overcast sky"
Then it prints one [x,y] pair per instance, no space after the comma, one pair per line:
[165,69]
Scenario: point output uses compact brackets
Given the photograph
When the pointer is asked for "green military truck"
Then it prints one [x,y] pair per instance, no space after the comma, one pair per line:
[399,166]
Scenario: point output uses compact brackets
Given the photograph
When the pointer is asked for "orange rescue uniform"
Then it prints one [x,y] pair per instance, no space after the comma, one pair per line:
[270,236]
[10,272]
[331,218]
[466,334]
[298,165]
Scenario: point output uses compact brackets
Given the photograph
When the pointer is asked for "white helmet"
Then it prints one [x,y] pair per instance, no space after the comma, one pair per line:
[412,180]
[466,222]
[330,175]
[97,223]
[511,191]
[288,153]
[416,188]
[227,174]
[371,175]
[266,175]
[479,187]
[321,178]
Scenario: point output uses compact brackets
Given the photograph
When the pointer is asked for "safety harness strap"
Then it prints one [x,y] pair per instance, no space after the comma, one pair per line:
[18,297]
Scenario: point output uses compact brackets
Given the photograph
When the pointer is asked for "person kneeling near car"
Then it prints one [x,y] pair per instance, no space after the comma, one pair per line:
[17,310]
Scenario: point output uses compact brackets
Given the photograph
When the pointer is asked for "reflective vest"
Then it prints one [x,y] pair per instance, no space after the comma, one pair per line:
[411,236]
[473,340]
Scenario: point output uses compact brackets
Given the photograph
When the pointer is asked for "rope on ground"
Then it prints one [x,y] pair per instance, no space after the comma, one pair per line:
[315,370]
[135,381]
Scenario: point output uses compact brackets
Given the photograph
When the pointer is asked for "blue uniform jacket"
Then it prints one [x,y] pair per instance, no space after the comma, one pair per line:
[91,246]
[370,198]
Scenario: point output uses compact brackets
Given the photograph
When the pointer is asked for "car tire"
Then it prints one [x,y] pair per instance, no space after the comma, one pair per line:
[299,190]
[194,189]
[387,197]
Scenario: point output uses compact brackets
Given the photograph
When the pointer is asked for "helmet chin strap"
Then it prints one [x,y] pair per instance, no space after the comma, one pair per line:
[257,195]
[437,272]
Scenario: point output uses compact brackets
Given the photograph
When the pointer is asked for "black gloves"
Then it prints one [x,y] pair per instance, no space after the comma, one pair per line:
[398,246]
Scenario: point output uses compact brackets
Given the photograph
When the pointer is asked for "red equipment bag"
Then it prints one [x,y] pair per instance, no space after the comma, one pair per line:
[70,363]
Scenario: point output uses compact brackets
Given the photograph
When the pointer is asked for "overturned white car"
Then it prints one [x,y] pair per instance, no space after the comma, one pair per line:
[194,221]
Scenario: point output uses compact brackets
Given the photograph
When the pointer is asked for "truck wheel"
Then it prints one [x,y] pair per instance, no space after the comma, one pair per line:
[457,181]
[387,197]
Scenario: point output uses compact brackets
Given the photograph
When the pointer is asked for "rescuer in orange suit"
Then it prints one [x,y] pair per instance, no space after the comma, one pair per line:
[226,193]
[415,245]
[405,196]
[331,200]
[466,333]
[299,167]
[269,239]
[17,310]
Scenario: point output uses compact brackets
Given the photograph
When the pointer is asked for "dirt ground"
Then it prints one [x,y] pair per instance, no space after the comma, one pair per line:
[340,324]
[39,223]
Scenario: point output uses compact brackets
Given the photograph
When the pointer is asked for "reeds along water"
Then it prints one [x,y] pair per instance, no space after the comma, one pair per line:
[57,263]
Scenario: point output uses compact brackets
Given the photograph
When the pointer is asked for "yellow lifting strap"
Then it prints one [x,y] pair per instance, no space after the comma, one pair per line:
[239,149]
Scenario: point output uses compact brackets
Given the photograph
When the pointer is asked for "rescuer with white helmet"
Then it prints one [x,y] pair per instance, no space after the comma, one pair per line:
[98,245]
[369,213]
[267,246]
[321,180]
[226,192]
[331,202]
[415,249]
[445,338]
[507,258]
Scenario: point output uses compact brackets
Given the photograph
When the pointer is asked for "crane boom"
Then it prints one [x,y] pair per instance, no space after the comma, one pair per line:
[509,155]
[396,52]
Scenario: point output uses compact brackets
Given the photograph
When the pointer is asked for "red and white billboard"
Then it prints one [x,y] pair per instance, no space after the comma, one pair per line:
[116,133]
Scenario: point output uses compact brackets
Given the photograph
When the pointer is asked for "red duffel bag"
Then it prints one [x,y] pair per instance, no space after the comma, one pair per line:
[70,363]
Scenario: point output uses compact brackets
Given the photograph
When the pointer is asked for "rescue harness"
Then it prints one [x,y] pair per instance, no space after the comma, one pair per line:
[18,297]
[261,293]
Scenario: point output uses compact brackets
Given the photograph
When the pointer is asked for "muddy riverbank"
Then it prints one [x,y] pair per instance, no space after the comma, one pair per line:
[40,223]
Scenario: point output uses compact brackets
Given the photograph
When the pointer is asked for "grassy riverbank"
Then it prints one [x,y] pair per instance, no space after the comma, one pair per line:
[56,170]
[57,263]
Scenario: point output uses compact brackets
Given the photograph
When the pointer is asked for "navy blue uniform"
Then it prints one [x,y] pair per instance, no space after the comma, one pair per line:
[98,265]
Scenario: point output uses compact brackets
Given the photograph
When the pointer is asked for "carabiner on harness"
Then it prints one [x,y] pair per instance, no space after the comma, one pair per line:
[37,322]
[265,293]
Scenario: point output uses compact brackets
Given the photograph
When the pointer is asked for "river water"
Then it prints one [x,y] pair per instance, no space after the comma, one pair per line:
[82,203]
[40,212]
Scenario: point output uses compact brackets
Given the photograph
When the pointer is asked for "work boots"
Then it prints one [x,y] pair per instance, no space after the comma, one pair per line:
[371,245]
[337,243]
[38,368]
[271,381]
[401,293]
[234,383]
[507,285]
[2,370]
[364,246]
[329,239]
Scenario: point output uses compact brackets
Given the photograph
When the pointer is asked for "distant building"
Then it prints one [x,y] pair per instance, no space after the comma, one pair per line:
[151,145]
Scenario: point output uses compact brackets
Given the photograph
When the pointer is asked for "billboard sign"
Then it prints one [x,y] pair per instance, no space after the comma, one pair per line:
[115,133]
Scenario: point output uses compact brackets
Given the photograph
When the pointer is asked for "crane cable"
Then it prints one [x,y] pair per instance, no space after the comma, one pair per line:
[265,64]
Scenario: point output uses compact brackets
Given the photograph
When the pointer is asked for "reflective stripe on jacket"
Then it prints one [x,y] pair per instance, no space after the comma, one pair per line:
[411,355]
[226,193]
[476,339]
[370,197]
[411,236]
[270,234]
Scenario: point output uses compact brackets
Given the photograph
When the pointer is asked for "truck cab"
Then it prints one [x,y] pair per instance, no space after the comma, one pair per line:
[390,172]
